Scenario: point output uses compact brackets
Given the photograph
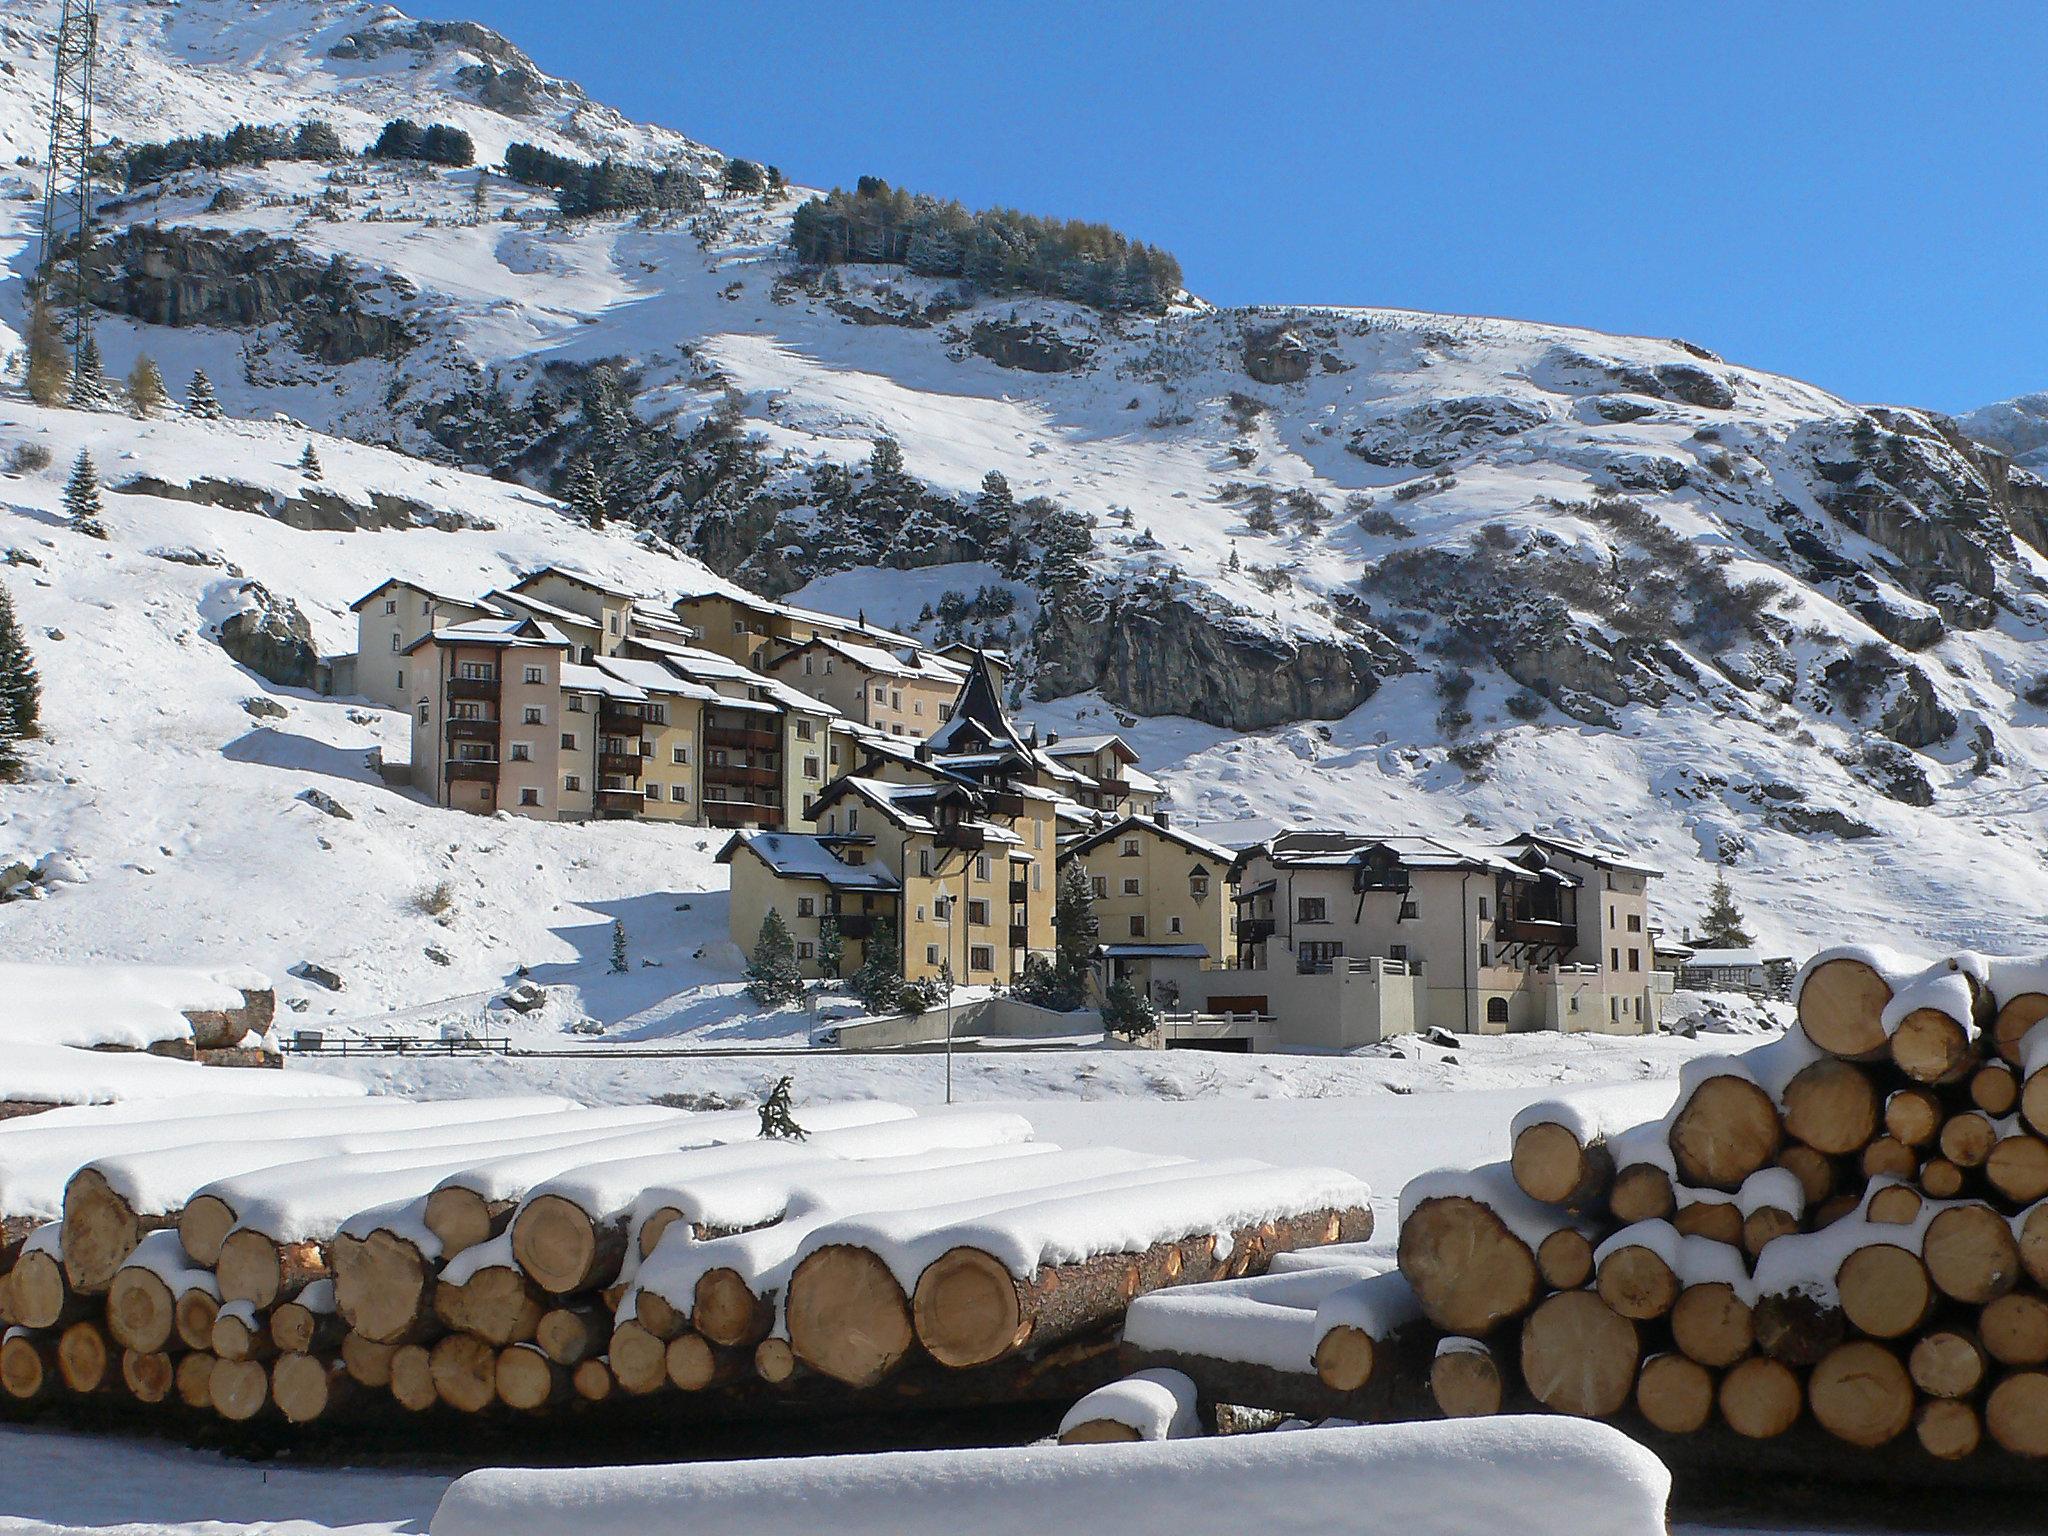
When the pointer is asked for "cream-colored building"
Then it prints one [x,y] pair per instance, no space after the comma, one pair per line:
[754,630]
[671,737]
[389,619]
[1111,779]
[804,878]
[896,696]
[487,718]
[1162,905]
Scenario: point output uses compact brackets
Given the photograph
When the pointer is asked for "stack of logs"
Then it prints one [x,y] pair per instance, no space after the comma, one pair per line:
[467,1299]
[1849,1223]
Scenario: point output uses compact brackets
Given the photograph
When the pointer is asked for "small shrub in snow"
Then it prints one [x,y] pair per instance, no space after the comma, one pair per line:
[1524,704]
[309,463]
[777,1122]
[146,392]
[620,964]
[772,975]
[28,458]
[434,900]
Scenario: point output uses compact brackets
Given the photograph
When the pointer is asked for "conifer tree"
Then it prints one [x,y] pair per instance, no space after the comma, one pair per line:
[879,981]
[777,1121]
[88,385]
[309,463]
[586,494]
[772,975]
[49,364]
[146,392]
[1722,927]
[619,966]
[831,949]
[1076,931]
[1128,1013]
[20,689]
[82,498]
[200,399]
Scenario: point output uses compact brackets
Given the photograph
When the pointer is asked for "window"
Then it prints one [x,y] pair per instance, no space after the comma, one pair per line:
[535,675]
[1036,883]
[1496,1010]
[1635,922]
[942,909]
[917,706]
[895,728]
[1198,884]
[391,605]
[806,906]
[853,818]
[807,666]
[924,862]
[805,731]
[1311,909]
[977,913]
[920,913]
[1138,927]
[1397,951]
[1098,886]
[1482,914]
[1613,1010]
[1315,957]
[611,622]
[717,758]
[945,711]
[739,626]
[533,714]
[1575,1002]
[576,703]
[646,749]
[678,794]
[881,695]
[805,950]
[653,791]
[395,641]
[657,713]
[426,607]
[981,957]
[895,699]
[931,954]
[1614,959]
[679,754]
[1173,925]
[521,752]
[981,866]
[1484,957]
[1130,848]
[811,767]
[423,714]
[1635,959]
[568,741]
[1131,887]
[572,783]
[529,797]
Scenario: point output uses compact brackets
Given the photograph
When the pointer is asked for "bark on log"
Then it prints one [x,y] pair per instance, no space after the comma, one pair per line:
[142,1314]
[565,1248]
[1727,1130]
[1832,1106]
[2016,1413]
[1948,1363]
[384,1287]
[235,1338]
[1712,1324]
[1718,1220]
[497,1303]
[1641,1192]
[1948,1429]
[2014,1329]
[1551,1165]
[262,1271]
[462,1218]
[527,1380]
[1885,1291]
[465,1372]
[1579,1356]
[1841,1006]
[1795,1328]
[1675,1393]
[310,1387]
[1971,1254]
[1468,1382]
[149,1375]
[1861,1393]
[238,1389]
[1469,1271]
[203,1225]
[195,1380]
[1760,1398]
[572,1334]
[412,1378]
[297,1329]
[100,1230]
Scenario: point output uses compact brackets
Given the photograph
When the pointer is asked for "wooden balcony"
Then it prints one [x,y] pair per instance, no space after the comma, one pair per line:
[472,730]
[621,713]
[481,770]
[743,740]
[619,802]
[627,765]
[1254,930]
[1009,805]
[854,925]
[741,813]
[1020,892]
[485,688]
[1113,789]
[1020,936]
[742,773]
[1523,930]
[965,835]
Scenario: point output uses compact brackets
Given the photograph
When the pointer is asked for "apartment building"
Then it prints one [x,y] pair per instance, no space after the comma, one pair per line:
[1349,938]
[1162,905]
[909,695]
[1112,782]
[389,619]
[754,630]
[803,878]
[487,703]
[671,738]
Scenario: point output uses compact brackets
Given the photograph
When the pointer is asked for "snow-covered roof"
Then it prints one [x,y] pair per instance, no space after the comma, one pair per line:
[800,856]
[1735,957]
[1585,852]
[748,600]
[665,623]
[920,667]
[527,604]
[1337,850]
[579,679]
[1088,746]
[580,578]
[653,677]
[1147,825]
[411,586]
[1188,951]
[505,632]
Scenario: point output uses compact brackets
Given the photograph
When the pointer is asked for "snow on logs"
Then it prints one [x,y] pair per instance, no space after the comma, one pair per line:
[1847,1225]
[527,1256]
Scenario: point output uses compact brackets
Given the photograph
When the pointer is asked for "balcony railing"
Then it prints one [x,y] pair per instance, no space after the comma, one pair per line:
[1525,930]
[473,687]
[742,773]
[1113,789]
[965,835]
[1020,891]
[481,769]
[460,729]
[854,925]
[741,813]
[744,740]
[621,712]
[620,802]
[627,765]
[1254,930]
[1008,805]
[1020,936]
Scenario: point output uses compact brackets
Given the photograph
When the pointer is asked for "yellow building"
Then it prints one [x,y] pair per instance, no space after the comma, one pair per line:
[753,630]
[671,738]
[896,696]
[1162,904]
[1112,782]
[803,878]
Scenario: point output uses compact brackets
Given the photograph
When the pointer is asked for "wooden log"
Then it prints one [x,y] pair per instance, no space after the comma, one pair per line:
[1719,1221]
[258,1269]
[725,1309]
[85,1361]
[591,1380]
[195,1380]
[694,1364]
[658,1315]
[1841,1007]
[1551,1165]
[572,1334]
[41,1297]
[1711,1323]
[1896,1205]
[1467,1379]
[1860,1393]
[1832,1106]
[412,1378]
[774,1361]
[528,1381]
[2014,1329]
[496,1303]
[654,1226]
[1635,1281]
[193,1316]
[1885,1158]
[100,1230]
[149,1375]
[1948,1429]
[384,1287]
[2032,1229]
[1727,1130]
[1971,1254]
[203,1226]
[565,1248]
[28,1366]
[1760,1398]
[1833,1209]
[1469,1270]
[1100,1432]
[1579,1356]
[308,1325]
[639,1359]
[465,1372]
[463,1218]
[1941,1179]
[1931,1046]
[1796,1328]
[1913,1116]
[1764,1226]
[1885,1290]
[1948,1362]
[1641,1192]
[2016,1413]
[1814,1170]
[307,1388]
[238,1335]
[238,1389]
[1967,1139]
[142,1314]
[1675,1393]
[1995,1088]
[2018,1168]
[1564,1259]
[367,1361]
[2016,1015]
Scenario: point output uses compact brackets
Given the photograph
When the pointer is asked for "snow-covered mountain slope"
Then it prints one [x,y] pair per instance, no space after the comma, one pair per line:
[1455,574]
[2017,428]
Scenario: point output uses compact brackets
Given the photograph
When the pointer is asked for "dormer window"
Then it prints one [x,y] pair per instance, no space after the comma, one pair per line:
[1198,883]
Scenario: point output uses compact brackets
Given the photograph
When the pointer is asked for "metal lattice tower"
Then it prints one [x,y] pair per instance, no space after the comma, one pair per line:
[67,191]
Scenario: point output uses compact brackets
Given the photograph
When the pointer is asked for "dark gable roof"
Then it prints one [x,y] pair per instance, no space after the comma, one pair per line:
[979,719]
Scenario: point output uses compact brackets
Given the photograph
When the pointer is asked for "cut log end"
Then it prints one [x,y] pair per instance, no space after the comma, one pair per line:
[84,1360]
[464,1369]
[260,1270]
[149,1375]
[1885,1291]
[774,1361]
[100,1230]
[1344,1358]
[1676,1394]
[1641,1192]
[308,1387]
[1841,1008]
[1565,1259]
[1971,1254]
[728,1312]
[965,1310]
[1467,1383]
[1832,1106]
[2016,1414]
[1760,1398]
[1099,1432]
[384,1287]
[2015,1017]
[1469,1272]
[1861,1394]
[1579,1356]
[412,1378]
[142,1314]
[1727,1130]
[1931,1047]
[1713,1325]
[562,1247]
[462,1218]
[1637,1283]
[527,1380]
[1550,1165]
[1948,1429]
[203,1226]
[591,1380]
[238,1389]
[1947,1363]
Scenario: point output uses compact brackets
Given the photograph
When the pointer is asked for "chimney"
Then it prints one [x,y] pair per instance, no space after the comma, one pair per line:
[1159,816]
[1052,738]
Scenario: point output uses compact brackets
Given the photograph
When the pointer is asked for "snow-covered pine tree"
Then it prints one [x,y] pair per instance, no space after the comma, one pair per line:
[1076,930]
[772,975]
[1722,927]
[309,463]
[146,392]
[1128,1013]
[200,400]
[21,691]
[49,364]
[879,980]
[82,498]
[619,966]
[586,495]
[88,381]
[831,949]
[778,1123]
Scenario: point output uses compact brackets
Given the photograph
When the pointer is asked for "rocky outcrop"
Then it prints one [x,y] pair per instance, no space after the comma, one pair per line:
[1277,356]
[312,510]
[1162,653]
[270,637]
[244,280]
[1434,434]
[1031,348]
[399,33]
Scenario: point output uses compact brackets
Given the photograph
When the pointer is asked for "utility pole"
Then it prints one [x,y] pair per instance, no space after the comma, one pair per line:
[67,186]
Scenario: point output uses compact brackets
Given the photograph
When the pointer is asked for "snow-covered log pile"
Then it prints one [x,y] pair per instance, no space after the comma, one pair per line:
[221,1016]
[1847,1225]
[528,1255]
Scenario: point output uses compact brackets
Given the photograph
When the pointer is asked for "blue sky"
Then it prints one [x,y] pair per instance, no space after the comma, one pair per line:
[1850,193]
